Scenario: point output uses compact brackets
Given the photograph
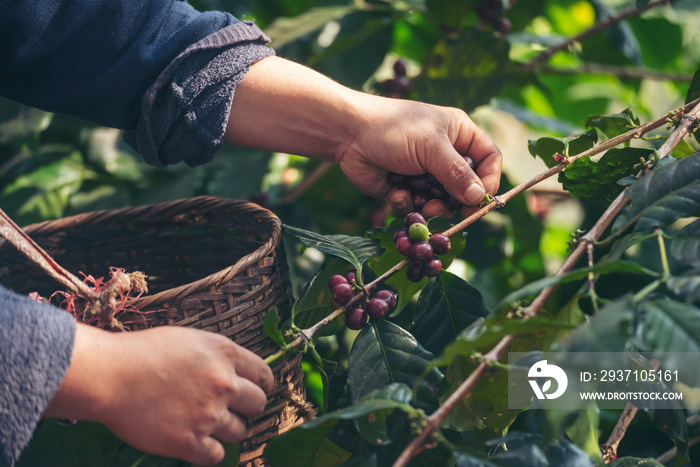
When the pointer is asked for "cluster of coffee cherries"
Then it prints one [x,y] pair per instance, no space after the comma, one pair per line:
[427,194]
[400,84]
[491,12]
[342,290]
[415,242]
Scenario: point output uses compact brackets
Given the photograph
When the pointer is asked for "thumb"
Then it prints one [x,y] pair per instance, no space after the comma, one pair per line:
[450,168]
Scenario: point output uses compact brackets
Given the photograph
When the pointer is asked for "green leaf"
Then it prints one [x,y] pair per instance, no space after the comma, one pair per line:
[595,180]
[286,30]
[384,353]
[358,49]
[306,446]
[682,149]
[546,147]
[671,326]
[581,428]
[694,89]
[487,405]
[608,331]
[466,71]
[483,334]
[84,444]
[528,449]
[613,124]
[685,246]
[621,266]
[620,34]
[354,250]
[668,193]
[271,326]
[641,3]
[370,413]
[446,306]
[21,123]
[635,462]
[686,287]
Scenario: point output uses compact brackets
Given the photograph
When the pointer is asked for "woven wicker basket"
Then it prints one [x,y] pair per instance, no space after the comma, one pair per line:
[212,263]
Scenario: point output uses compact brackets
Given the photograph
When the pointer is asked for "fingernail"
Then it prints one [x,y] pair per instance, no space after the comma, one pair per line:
[474,194]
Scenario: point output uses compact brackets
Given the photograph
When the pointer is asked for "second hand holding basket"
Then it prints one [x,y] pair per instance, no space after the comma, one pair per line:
[212,263]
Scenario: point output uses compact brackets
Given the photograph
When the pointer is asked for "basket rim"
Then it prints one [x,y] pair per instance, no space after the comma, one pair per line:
[209,203]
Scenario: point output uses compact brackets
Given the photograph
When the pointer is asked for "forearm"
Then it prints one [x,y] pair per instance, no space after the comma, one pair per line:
[286,107]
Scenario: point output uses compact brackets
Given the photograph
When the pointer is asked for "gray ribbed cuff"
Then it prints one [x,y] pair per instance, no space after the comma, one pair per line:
[184,114]
[36,344]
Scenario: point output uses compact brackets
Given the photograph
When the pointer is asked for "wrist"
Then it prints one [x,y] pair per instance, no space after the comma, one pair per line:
[87,390]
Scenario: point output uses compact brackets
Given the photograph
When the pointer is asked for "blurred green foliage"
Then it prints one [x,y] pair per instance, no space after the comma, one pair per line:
[52,166]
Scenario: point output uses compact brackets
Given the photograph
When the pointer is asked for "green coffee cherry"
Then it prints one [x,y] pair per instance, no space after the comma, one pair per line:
[418,232]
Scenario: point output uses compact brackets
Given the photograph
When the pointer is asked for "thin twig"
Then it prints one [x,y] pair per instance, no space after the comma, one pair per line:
[308,181]
[609,449]
[28,247]
[609,21]
[436,418]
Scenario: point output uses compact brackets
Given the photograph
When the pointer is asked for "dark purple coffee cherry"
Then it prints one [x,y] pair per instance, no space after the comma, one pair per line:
[432,267]
[351,276]
[413,218]
[502,26]
[342,293]
[397,87]
[377,308]
[400,233]
[441,244]
[419,199]
[419,183]
[421,251]
[470,162]
[437,192]
[451,203]
[355,318]
[400,67]
[395,179]
[388,296]
[414,271]
[335,280]
[489,10]
[403,245]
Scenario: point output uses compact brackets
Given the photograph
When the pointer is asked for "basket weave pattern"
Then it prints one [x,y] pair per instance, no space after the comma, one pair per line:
[212,263]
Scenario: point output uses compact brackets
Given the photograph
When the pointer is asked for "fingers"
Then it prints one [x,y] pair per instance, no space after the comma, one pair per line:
[253,368]
[489,170]
[247,398]
[450,168]
[231,430]
[473,142]
[209,451]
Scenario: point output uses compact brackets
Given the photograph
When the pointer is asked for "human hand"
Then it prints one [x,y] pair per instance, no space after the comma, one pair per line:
[411,138]
[283,106]
[171,391]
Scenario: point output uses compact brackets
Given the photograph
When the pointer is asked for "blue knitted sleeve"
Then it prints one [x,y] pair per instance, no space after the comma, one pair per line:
[128,64]
[36,343]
